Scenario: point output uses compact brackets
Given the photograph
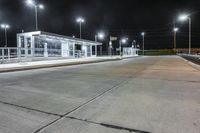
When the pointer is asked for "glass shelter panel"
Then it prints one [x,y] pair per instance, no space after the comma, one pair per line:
[53,46]
[89,52]
[71,49]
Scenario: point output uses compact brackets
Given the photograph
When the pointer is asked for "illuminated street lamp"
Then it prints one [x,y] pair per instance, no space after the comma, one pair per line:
[80,20]
[175,32]
[37,6]
[143,35]
[185,17]
[5,27]
[100,36]
[122,41]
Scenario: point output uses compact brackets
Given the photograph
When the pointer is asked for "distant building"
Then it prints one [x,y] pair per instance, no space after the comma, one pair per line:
[43,44]
[130,51]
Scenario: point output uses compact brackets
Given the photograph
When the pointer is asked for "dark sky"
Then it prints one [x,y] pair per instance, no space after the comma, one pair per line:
[115,17]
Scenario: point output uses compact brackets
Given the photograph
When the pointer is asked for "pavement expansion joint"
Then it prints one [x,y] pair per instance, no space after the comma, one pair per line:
[110,126]
[82,105]
[29,109]
[97,96]
[49,124]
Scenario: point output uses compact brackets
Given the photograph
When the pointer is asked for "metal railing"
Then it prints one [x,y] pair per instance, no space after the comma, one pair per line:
[13,54]
[8,53]
[191,55]
[193,58]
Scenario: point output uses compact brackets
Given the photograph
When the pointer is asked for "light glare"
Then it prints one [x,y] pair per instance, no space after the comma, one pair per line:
[183,17]
[176,29]
[101,35]
[124,40]
[80,20]
[41,6]
[30,2]
[5,26]
[143,33]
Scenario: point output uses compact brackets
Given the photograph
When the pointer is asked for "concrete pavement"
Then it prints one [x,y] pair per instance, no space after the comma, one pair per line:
[143,95]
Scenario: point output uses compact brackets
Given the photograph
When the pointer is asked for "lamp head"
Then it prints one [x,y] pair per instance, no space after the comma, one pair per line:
[143,33]
[41,6]
[124,40]
[80,20]
[176,29]
[101,35]
[183,17]
[30,2]
[5,26]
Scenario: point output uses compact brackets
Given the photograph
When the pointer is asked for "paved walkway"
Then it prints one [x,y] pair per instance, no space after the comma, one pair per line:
[141,95]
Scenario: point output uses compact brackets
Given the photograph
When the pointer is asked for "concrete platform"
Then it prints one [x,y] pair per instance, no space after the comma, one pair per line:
[18,120]
[142,95]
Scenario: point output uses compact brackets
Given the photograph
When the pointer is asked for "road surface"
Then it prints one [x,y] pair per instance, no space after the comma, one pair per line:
[141,95]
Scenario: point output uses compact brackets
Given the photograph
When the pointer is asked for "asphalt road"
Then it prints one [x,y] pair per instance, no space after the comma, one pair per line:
[141,95]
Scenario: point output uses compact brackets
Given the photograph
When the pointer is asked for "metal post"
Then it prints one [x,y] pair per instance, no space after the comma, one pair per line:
[190,35]
[96,39]
[19,53]
[101,50]
[120,45]
[74,49]
[3,54]
[111,50]
[95,50]
[8,53]
[36,17]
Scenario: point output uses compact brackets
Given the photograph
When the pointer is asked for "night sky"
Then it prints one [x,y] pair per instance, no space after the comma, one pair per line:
[115,17]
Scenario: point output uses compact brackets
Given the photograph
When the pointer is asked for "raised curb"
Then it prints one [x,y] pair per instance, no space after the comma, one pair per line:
[55,65]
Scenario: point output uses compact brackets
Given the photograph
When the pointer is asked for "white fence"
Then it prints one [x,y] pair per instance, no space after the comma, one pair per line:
[129,51]
[11,55]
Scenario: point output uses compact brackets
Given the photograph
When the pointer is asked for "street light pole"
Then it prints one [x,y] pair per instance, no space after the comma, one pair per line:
[36,18]
[143,34]
[175,33]
[80,30]
[6,40]
[185,17]
[174,40]
[190,31]
[143,45]
[80,21]
[5,27]
[36,6]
